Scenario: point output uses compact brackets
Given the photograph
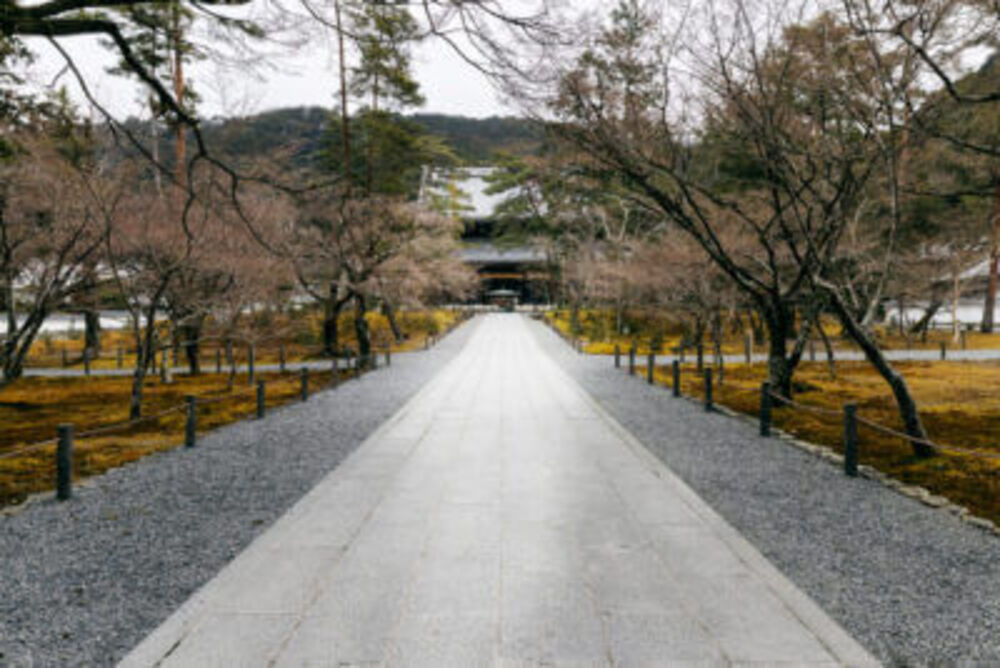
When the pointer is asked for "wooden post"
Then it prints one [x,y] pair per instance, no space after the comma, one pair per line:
[64,462]
[281,358]
[708,390]
[304,380]
[334,372]
[944,350]
[357,366]
[388,357]
[261,399]
[86,361]
[765,409]
[961,336]
[618,356]
[812,350]
[631,360]
[164,371]
[700,351]
[851,440]
[650,367]
[677,378]
[748,348]
[191,426]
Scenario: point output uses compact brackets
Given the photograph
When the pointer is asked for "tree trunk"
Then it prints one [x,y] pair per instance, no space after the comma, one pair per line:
[145,354]
[900,390]
[956,292]
[901,305]
[390,314]
[331,333]
[17,345]
[831,362]
[574,318]
[920,326]
[191,333]
[92,332]
[780,365]
[989,306]
[361,328]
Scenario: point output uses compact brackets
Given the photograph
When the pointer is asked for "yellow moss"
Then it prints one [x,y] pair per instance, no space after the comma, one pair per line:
[959,402]
[31,408]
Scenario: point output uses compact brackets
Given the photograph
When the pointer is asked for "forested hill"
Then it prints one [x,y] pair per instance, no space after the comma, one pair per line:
[300,131]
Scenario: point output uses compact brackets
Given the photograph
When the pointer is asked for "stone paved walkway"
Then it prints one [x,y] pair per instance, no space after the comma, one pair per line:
[500,518]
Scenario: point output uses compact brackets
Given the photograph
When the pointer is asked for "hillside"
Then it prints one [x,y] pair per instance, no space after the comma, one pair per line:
[300,131]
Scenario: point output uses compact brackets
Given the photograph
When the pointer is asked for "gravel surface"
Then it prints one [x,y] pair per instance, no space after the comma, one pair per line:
[915,585]
[82,582]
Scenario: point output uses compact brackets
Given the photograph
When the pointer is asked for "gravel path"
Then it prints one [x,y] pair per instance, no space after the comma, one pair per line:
[84,581]
[915,585]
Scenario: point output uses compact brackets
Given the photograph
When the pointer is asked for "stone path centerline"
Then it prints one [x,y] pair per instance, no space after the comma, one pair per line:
[500,518]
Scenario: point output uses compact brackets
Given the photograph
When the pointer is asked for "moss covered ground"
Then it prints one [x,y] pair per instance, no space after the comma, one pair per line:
[959,403]
[31,409]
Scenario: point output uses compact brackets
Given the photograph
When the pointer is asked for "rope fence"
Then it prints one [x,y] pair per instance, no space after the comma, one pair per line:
[355,365]
[769,398]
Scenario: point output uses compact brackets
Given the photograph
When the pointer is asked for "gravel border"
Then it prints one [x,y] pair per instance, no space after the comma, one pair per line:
[914,584]
[84,581]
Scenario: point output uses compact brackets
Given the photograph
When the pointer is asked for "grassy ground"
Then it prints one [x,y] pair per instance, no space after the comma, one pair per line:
[302,338]
[31,408]
[960,406]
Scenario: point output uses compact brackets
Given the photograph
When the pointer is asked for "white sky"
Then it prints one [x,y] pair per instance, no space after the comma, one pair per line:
[307,77]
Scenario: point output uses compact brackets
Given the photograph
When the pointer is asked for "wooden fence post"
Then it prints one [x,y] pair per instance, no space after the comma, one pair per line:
[708,390]
[388,357]
[304,380]
[261,399]
[944,350]
[677,378]
[765,409]
[631,360]
[191,425]
[851,440]
[86,361]
[64,462]
[281,357]
[748,348]
[618,356]
[650,367]
[700,352]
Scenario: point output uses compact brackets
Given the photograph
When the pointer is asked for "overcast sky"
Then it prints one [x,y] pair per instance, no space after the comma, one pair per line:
[306,78]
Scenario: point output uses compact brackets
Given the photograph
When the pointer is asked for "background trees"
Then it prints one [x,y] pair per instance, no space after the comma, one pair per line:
[50,232]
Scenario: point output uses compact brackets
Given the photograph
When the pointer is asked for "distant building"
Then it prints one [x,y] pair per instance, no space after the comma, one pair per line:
[519,272]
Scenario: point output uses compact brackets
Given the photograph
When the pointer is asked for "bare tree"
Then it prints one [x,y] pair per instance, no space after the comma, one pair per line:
[50,235]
